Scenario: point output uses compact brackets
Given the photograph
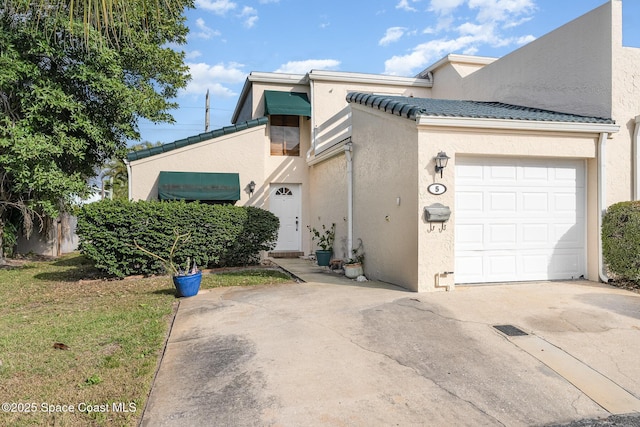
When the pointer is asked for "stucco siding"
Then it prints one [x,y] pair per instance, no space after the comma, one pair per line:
[448,80]
[242,152]
[626,107]
[437,248]
[258,94]
[385,172]
[328,202]
[567,70]
[331,112]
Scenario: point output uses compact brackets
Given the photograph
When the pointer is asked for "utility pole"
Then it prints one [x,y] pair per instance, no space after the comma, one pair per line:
[206,113]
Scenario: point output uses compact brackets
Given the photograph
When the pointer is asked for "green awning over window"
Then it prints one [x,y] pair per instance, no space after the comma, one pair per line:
[199,186]
[286,103]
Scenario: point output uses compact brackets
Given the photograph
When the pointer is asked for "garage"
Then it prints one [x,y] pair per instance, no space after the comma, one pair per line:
[519,219]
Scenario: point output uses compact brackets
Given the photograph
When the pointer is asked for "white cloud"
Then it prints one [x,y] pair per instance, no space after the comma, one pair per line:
[423,55]
[219,7]
[325,21]
[205,32]
[392,34]
[193,54]
[405,5]
[501,10]
[487,28]
[250,16]
[525,39]
[444,6]
[212,77]
[303,67]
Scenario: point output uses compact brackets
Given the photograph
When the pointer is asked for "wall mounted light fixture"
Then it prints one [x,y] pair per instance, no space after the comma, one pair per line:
[441,162]
[252,188]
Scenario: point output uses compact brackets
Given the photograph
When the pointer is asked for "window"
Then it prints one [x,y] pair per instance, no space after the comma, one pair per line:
[283,191]
[285,135]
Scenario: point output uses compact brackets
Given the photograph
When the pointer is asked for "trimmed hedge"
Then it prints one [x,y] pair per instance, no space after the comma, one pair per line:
[221,235]
[621,240]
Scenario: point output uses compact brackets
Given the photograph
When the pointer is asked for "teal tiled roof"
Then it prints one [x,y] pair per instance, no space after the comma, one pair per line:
[148,152]
[411,108]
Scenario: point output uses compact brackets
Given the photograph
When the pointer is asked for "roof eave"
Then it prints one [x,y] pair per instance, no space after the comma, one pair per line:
[458,59]
[511,124]
[341,76]
[264,77]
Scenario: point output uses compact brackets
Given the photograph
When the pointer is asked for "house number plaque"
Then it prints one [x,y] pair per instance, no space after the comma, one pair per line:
[437,189]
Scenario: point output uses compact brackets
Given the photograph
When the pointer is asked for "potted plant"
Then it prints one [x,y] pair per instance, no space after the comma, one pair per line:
[186,281]
[325,239]
[353,267]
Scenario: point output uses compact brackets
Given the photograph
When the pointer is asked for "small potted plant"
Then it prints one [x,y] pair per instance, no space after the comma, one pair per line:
[186,281]
[353,267]
[325,239]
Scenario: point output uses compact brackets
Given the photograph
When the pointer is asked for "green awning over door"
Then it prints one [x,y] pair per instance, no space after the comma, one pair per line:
[286,103]
[223,187]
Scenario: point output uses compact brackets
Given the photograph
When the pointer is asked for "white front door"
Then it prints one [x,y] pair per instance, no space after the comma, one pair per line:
[285,204]
[519,219]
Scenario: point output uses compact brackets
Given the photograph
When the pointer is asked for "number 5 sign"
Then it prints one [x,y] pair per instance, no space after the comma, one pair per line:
[437,189]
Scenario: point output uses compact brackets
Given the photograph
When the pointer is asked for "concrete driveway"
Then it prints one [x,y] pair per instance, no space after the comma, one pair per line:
[340,353]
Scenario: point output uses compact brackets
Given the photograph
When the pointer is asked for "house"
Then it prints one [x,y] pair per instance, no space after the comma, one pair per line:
[538,142]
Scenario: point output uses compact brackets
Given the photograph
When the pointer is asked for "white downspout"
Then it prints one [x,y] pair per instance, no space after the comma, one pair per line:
[636,160]
[347,151]
[129,173]
[601,200]
[312,146]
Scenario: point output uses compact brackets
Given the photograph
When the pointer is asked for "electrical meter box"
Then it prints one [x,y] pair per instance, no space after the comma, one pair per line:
[437,212]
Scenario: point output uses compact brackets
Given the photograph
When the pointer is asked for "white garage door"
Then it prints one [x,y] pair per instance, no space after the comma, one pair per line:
[519,219]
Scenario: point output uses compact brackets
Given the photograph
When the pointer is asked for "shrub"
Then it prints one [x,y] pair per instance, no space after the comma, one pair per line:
[219,234]
[259,233]
[621,240]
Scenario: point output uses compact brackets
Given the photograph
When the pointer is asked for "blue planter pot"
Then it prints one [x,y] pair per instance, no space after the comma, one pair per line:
[187,286]
[323,258]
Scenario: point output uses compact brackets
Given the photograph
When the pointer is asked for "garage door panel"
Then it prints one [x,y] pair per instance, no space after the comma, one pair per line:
[568,236]
[565,203]
[519,219]
[471,236]
[501,267]
[535,234]
[535,202]
[471,267]
[564,265]
[503,201]
[502,174]
[469,173]
[535,173]
[502,235]
[470,203]
[533,263]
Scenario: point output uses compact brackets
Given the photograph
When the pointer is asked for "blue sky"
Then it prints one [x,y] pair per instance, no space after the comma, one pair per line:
[230,38]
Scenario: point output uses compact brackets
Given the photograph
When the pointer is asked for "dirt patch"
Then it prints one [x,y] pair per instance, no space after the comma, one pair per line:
[626,285]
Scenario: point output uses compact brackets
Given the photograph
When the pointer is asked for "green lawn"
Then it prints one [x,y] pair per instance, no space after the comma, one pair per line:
[114,331]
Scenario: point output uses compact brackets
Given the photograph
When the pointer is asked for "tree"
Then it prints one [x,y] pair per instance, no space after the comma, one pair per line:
[71,97]
[111,18]
[116,171]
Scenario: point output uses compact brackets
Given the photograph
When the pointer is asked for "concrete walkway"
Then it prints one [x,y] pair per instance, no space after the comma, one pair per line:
[336,352]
